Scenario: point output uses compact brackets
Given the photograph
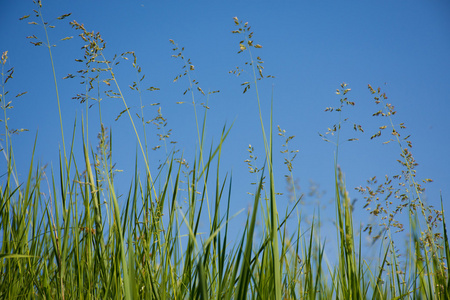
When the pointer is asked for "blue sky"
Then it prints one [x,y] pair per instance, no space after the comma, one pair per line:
[311,47]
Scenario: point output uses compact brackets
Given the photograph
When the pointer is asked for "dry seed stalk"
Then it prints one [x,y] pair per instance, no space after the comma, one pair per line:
[408,191]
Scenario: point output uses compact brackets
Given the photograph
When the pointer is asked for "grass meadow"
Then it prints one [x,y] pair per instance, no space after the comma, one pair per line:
[65,234]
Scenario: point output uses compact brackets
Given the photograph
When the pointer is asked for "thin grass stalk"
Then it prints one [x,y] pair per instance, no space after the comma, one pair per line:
[44,25]
[131,120]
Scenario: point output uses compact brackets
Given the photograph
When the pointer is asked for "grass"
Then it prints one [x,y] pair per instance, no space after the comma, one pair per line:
[66,236]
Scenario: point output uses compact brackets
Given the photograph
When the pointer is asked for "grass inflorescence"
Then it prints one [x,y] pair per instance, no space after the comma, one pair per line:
[65,234]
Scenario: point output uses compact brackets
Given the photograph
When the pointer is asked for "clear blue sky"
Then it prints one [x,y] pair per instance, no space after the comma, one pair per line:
[309,46]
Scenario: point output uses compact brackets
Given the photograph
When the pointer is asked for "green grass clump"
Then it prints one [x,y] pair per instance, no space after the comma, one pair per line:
[65,235]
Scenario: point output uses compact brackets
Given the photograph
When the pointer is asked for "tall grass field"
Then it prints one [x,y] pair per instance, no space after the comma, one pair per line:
[65,233]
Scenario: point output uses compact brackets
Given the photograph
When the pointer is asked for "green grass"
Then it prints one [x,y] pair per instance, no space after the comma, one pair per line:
[65,235]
